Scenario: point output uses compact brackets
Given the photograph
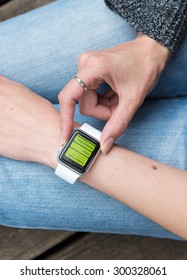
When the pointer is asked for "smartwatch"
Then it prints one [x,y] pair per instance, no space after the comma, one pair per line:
[79,153]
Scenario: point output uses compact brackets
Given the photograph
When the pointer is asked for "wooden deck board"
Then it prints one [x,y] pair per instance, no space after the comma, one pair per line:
[51,245]
[121,247]
[16,7]
[19,244]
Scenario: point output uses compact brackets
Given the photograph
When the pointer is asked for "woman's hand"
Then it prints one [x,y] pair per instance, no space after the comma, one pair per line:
[131,69]
[29,125]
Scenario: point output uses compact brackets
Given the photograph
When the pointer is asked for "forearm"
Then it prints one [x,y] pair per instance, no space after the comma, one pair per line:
[152,188]
[30,125]
[156,190]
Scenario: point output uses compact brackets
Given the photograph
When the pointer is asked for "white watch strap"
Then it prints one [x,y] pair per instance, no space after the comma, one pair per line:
[64,172]
[91,131]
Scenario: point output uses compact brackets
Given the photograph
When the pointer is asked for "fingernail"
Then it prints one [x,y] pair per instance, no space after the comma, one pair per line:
[63,141]
[105,147]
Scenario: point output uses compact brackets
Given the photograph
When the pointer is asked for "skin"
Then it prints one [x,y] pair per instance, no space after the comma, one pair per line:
[154,189]
[131,69]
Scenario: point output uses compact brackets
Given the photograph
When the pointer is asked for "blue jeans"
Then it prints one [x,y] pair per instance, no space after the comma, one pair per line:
[40,49]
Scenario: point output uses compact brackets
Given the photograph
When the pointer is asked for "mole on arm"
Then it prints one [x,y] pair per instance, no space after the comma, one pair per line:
[154,167]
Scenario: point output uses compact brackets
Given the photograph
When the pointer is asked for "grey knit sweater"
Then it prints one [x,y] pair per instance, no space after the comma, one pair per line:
[163,20]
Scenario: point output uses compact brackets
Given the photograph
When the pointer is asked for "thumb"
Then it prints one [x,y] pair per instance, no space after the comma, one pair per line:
[117,124]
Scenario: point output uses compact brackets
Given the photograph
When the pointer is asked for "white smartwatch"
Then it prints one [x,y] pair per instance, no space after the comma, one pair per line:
[77,156]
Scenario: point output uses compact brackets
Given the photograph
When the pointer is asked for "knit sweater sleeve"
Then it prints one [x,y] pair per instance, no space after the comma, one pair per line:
[163,20]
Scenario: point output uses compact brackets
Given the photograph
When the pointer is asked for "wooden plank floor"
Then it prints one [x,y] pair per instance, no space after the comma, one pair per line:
[64,245]
[20,244]
[16,7]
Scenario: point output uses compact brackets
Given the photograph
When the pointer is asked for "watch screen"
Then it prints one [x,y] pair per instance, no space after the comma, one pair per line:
[79,151]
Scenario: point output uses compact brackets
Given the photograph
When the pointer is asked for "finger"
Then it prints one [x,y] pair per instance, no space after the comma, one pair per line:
[83,59]
[67,100]
[71,93]
[98,106]
[118,122]
[109,93]
[109,102]
[90,105]
[110,99]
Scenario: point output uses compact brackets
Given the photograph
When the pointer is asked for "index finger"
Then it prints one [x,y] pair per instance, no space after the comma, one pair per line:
[67,99]
[118,122]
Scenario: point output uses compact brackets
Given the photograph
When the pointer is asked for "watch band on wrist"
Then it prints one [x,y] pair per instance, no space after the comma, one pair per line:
[68,174]
[91,131]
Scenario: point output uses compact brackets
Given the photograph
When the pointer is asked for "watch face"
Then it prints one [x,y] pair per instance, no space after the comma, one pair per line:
[79,152]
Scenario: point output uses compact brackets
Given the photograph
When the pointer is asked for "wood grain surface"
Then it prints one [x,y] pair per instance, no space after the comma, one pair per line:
[20,244]
[16,7]
[96,246]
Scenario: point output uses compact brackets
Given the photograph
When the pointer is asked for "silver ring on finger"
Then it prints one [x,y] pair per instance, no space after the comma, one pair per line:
[83,85]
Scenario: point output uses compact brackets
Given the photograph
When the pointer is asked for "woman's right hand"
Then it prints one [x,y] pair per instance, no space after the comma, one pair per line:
[131,69]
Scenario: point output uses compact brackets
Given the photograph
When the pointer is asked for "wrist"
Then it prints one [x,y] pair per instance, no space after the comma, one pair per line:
[55,142]
[154,49]
[49,142]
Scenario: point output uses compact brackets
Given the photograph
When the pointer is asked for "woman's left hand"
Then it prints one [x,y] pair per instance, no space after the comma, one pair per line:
[29,125]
